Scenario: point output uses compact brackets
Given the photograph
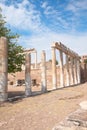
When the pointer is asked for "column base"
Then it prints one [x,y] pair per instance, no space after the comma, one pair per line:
[3,96]
[28,93]
[44,91]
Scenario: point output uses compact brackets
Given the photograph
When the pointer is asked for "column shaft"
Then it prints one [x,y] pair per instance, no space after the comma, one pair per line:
[67,71]
[43,72]
[75,70]
[72,71]
[35,60]
[61,69]
[27,75]
[3,68]
[54,74]
[78,72]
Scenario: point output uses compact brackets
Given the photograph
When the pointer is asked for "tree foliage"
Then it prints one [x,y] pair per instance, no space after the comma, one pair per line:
[85,61]
[15,59]
[56,61]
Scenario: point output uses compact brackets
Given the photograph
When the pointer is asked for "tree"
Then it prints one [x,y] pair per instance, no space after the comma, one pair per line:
[15,59]
[56,61]
[85,61]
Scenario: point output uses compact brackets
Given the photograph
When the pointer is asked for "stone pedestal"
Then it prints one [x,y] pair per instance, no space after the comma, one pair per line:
[27,75]
[43,72]
[3,68]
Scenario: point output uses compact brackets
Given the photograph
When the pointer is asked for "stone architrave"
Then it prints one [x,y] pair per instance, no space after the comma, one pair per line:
[27,75]
[43,72]
[78,72]
[61,69]
[3,68]
[72,71]
[67,71]
[75,71]
[54,73]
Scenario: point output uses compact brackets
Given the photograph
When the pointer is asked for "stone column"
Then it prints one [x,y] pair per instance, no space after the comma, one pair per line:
[27,75]
[43,72]
[61,69]
[3,68]
[72,71]
[78,72]
[35,60]
[75,70]
[67,71]
[54,74]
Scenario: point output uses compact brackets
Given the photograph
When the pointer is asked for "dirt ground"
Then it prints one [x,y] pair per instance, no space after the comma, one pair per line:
[42,111]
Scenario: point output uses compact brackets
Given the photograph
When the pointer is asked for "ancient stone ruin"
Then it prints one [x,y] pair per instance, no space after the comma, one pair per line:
[3,68]
[60,76]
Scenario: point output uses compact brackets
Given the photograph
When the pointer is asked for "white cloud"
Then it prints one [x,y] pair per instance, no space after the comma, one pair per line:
[29,19]
[76,6]
[22,18]
[44,4]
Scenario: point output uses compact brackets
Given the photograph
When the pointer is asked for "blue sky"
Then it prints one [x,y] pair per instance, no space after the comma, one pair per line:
[42,22]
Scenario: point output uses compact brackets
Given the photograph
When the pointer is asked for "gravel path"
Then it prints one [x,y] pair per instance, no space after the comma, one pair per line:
[41,112]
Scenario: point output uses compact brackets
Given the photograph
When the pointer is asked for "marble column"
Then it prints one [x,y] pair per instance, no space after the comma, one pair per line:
[67,71]
[75,71]
[3,68]
[35,60]
[54,73]
[78,72]
[61,69]
[72,81]
[43,72]
[28,75]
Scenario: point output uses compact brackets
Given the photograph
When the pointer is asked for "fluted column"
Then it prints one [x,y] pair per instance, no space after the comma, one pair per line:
[75,70]
[27,75]
[54,74]
[3,68]
[67,71]
[61,69]
[78,72]
[72,71]
[43,72]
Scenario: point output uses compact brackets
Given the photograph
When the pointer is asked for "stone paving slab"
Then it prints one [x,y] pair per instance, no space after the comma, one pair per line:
[75,121]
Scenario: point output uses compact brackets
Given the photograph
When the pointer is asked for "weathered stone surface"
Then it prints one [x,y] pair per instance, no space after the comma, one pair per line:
[75,121]
[43,72]
[3,68]
[27,75]
[83,105]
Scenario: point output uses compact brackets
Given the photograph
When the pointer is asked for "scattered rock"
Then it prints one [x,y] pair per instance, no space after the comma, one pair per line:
[83,105]
[75,121]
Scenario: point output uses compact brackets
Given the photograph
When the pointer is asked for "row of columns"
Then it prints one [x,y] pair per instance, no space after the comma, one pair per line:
[4,70]
[29,51]
[28,90]
[72,69]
